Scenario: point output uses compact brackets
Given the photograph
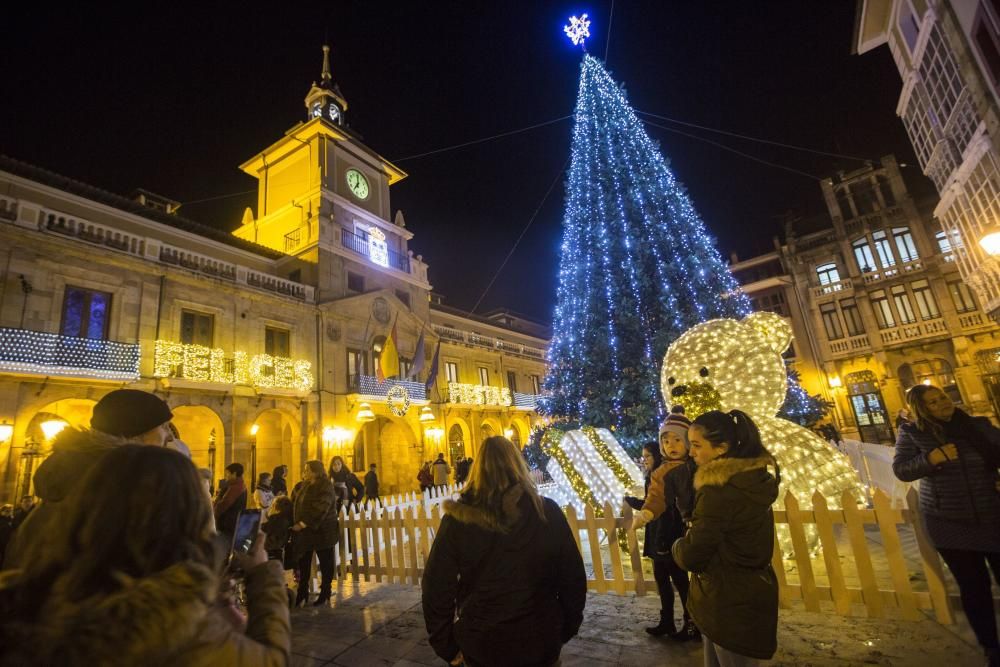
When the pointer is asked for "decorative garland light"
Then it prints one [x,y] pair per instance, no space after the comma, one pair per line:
[479,394]
[203,364]
[623,467]
[38,352]
[398,400]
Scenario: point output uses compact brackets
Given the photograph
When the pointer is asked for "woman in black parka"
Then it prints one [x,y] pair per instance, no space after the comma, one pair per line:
[316,530]
[955,457]
[505,563]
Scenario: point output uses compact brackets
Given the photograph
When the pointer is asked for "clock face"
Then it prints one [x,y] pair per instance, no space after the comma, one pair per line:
[357,183]
[317,110]
[334,113]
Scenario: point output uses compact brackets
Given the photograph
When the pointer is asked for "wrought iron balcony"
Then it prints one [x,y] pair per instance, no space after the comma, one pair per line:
[41,353]
[359,244]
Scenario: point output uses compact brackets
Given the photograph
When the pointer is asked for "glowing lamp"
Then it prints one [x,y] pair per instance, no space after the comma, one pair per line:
[6,431]
[426,414]
[927,382]
[434,433]
[990,241]
[53,427]
[835,382]
[365,413]
[254,429]
[508,433]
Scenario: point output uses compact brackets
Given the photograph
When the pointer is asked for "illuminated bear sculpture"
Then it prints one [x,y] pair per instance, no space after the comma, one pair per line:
[736,364]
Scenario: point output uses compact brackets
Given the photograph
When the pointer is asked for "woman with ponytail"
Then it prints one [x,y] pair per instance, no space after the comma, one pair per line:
[734,593]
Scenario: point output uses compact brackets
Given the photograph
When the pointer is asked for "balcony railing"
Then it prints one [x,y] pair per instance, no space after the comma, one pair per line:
[893,271]
[293,239]
[844,285]
[38,352]
[477,340]
[369,385]
[525,400]
[849,346]
[359,244]
[973,320]
[914,331]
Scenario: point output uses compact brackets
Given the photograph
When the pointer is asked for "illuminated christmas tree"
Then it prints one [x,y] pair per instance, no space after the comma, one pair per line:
[638,268]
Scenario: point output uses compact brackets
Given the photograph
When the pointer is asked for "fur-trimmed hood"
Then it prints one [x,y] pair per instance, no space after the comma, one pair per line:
[759,486]
[132,626]
[73,452]
[464,512]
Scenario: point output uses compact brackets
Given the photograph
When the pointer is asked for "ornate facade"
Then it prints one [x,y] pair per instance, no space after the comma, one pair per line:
[264,342]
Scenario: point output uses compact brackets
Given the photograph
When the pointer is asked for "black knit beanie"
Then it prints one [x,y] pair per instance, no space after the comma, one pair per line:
[129,412]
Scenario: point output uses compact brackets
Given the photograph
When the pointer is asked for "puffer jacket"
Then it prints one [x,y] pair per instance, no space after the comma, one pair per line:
[315,506]
[170,618]
[519,595]
[734,592]
[964,489]
[74,452]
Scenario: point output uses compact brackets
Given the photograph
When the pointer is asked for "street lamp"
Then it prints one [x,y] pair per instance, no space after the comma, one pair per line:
[365,413]
[6,431]
[990,241]
[426,414]
[253,456]
[53,427]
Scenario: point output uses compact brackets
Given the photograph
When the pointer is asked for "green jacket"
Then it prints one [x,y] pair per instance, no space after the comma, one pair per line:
[734,594]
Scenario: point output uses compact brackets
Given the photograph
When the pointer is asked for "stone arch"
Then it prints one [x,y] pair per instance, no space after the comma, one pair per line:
[519,432]
[276,442]
[392,446]
[202,429]
[457,439]
[73,412]
[487,428]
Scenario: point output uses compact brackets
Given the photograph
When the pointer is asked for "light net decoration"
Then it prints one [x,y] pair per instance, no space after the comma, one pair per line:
[38,352]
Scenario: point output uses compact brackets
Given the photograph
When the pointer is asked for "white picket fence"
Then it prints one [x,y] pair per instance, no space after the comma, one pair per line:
[432,497]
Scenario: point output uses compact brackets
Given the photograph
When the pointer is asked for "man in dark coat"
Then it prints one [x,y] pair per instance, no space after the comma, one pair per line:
[519,593]
[122,416]
[371,484]
[227,508]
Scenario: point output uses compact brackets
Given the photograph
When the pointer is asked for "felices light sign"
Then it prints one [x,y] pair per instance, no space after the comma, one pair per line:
[478,394]
[378,250]
[205,364]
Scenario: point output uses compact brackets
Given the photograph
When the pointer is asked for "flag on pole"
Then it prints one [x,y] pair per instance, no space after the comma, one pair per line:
[388,362]
[418,358]
[432,376]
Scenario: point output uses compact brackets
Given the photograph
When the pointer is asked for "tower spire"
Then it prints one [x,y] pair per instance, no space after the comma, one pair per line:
[326,66]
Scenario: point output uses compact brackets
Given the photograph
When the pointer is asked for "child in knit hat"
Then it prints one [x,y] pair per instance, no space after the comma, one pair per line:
[670,501]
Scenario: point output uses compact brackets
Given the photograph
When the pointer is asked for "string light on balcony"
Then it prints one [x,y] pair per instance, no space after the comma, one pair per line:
[202,364]
[37,352]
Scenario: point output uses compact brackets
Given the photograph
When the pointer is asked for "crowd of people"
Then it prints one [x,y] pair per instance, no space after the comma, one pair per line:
[97,573]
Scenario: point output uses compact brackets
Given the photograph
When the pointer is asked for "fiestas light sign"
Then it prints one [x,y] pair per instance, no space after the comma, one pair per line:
[205,364]
[478,394]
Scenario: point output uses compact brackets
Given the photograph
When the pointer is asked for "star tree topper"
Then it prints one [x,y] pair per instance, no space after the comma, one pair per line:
[578,30]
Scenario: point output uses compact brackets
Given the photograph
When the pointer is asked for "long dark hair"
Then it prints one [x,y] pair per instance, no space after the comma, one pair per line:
[737,430]
[923,419]
[138,511]
[653,448]
[497,469]
[278,473]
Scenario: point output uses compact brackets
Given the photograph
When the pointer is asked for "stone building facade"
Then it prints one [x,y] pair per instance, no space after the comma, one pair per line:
[265,341]
[948,56]
[877,303]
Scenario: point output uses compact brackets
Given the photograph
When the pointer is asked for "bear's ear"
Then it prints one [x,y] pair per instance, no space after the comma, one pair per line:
[774,327]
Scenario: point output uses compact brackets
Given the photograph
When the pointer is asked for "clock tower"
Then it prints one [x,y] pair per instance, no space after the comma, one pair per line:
[325,99]
[323,197]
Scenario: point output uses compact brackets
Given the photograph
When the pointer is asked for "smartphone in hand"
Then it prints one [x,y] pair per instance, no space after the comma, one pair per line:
[247,527]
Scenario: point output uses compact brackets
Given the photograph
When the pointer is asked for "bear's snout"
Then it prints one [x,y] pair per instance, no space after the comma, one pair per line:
[679,390]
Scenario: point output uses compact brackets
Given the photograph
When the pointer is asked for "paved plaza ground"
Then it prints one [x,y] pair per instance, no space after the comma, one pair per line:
[371,624]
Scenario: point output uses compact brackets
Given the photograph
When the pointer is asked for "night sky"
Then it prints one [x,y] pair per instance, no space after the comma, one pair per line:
[173,100]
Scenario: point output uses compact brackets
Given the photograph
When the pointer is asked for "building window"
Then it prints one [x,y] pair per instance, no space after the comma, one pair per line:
[939,73]
[852,317]
[451,371]
[831,320]
[828,274]
[357,365]
[773,302]
[863,255]
[844,203]
[863,196]
[403,296]
[277,342]
[85,313]
[903,306]
[883,311]
[197,328]
[885,189]
[985,39]
[904,244]
[883,249]
[535,385]
[926,305]
[962,296]
[355,282]
[937,372]
[512,381]
[295,276]
[405,366]
[484,376]
[909,26]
